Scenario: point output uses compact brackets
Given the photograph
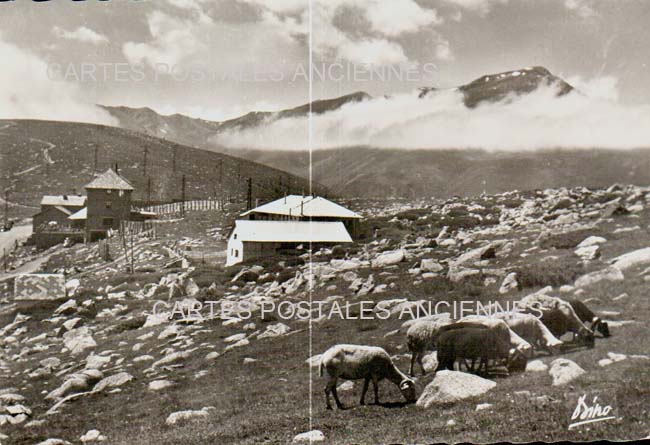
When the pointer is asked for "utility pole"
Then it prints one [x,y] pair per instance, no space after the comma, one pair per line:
[144,164]
[6,221]
[174,160]
[96,159]
[183,196]
[148,191]
[249,195]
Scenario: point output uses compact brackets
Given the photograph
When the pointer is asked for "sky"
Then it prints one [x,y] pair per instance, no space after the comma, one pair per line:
[218,59]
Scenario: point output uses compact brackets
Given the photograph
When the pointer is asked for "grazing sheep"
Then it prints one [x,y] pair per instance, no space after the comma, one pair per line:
[586,315]
[354,362]
[474,344]
[501,327]
[531,329]
[421,337]
[558,316]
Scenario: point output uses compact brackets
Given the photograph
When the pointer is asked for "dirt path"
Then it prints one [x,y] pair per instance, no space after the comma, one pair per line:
[17,233]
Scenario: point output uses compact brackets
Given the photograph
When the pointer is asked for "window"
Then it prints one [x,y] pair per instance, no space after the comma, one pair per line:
[109,204]
[121,193]
[234,236]
[236,253]
[108,222]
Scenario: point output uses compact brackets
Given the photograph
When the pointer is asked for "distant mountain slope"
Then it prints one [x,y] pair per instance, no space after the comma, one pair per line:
[366,171]
[45,157]
[371,172]
[197,132]
[497,87]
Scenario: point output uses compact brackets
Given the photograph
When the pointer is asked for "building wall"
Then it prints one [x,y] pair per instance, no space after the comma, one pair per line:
[40,220]
[45,240]
[235,252]
[106,209]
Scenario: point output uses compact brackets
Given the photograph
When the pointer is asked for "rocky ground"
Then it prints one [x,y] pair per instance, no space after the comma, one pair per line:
[100,365]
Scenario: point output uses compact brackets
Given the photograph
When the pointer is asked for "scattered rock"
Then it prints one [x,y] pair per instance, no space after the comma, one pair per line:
[78,340]
[157,385]
[536,366]
[179,416]
[453,386]
[309,437]
[509,283]
[92,436]
[113,381]
[564,371]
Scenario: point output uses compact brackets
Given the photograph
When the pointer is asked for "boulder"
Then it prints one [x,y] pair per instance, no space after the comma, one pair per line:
[274,330]
[536,366]
[474,255]
[453,386]
[591,241]
[389,258]
[509,283]
[113,381]
[588,253]
[640,257]
[92,436]
[458,274]
[309,437]
[179,416]
[611,273]
[430,265]
[67,308]
[157,385]
[564,371]
[54,442]
[78,340]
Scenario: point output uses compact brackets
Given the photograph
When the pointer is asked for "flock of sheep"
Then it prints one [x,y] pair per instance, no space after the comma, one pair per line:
[509,338]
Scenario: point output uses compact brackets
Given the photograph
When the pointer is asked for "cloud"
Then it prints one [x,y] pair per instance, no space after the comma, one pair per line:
[373,36]
[173,40]
[583,8]
[81,34]
[480,6]
[536,121]
[27,92]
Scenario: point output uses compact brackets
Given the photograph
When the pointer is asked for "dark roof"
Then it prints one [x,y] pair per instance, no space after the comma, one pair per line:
[110,180]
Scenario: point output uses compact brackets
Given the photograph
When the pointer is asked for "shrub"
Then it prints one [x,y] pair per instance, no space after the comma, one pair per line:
[549,273]
[567,240]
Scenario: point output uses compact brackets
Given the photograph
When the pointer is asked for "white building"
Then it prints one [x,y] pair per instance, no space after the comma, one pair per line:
[288,222]
[255,239]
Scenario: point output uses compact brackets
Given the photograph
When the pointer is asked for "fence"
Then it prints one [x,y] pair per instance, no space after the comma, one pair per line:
[178,208]
[141,228]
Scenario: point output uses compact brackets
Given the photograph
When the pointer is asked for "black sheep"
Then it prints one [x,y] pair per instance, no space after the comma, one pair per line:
[586,315]
[475,344]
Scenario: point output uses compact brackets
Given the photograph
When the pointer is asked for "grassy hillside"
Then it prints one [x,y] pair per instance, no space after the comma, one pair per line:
[263,391]
[371,172]
[43,157]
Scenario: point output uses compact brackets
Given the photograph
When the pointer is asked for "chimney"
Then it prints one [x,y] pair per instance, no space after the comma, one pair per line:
[301,213]
[117,168]
[65,197]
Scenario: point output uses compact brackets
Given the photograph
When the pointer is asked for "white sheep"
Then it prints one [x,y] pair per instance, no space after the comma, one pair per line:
[531,329]
[422,336]
[355,362]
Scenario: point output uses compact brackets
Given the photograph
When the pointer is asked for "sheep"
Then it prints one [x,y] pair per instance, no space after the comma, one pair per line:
[476,343]
[531,329]
[421,337]
[354,362]
[558,316]
[500,326]
[586,315]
